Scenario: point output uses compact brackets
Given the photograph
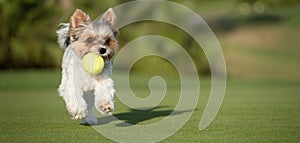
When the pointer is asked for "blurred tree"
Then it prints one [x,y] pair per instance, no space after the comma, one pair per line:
[26,32]
[28,39]
[67,5]
[27,36]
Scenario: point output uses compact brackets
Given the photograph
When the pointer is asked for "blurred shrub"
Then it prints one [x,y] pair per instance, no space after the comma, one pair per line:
[28,39]
[150,64]
[27,33]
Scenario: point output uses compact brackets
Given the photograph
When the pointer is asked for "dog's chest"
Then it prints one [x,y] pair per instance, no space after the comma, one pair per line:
[81,79]
[88,82]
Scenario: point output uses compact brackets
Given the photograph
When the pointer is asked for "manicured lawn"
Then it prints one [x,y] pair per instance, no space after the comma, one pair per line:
[255,108]
[252,111]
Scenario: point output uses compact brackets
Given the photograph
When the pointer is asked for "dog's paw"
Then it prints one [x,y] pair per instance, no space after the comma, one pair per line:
[105,107]
[78,112]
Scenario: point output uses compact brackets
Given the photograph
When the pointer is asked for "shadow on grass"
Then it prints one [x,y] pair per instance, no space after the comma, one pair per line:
[135,116]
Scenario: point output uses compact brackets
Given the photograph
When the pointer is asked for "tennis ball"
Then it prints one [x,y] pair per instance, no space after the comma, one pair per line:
[92,63]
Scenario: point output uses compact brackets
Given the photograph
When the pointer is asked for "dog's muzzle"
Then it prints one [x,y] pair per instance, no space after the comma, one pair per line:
[102,50]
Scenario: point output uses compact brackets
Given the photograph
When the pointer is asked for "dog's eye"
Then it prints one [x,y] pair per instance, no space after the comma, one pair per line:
[89,40]
[107,40]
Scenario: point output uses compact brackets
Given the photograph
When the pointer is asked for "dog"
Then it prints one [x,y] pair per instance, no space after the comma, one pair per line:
[80,90]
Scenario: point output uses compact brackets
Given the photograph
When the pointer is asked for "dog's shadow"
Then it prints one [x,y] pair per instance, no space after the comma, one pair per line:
[135,116]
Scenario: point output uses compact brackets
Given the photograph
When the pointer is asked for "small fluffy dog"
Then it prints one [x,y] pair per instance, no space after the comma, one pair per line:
[80,90]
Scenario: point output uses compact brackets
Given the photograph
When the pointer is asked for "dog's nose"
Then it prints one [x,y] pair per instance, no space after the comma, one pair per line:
[102,50]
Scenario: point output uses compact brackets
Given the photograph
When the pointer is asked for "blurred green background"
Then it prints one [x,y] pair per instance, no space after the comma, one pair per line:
[260,40]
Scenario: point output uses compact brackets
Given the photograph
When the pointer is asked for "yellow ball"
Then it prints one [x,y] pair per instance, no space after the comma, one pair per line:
[92,63]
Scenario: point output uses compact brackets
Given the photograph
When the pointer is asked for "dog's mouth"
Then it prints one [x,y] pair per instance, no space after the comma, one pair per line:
[105,53]
[107,57]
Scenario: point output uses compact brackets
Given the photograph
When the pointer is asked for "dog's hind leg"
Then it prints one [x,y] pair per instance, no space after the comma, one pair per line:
[90,119]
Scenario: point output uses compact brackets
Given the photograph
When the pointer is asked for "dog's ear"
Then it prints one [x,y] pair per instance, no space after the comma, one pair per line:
[63,38]
[109,17]
[79,19]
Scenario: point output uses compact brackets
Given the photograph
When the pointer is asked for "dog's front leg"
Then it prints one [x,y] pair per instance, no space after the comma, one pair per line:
[104,96]
[70,88]
[74,100]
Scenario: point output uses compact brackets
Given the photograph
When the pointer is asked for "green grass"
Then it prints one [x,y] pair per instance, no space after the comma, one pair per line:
[252,111]
[261,102]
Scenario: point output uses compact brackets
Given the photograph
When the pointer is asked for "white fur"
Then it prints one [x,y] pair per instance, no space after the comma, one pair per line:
[80,90]
[62,34]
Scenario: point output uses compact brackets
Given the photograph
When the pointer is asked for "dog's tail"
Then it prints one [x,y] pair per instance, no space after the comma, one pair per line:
[63,38]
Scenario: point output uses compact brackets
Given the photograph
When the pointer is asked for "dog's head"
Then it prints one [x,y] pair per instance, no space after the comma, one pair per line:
[85,36]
